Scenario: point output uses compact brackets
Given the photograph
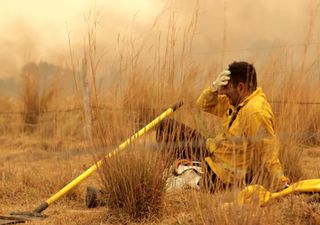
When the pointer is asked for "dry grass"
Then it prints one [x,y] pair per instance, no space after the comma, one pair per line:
[134,184]
[202,208]
[25,177]
[36,95]
[34,166]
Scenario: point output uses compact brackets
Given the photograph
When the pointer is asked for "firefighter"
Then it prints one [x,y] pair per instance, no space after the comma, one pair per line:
[245,152]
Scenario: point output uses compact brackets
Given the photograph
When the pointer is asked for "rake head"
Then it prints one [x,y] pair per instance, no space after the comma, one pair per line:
[21,217]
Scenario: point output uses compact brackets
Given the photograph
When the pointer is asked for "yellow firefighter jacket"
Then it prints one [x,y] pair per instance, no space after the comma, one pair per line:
[247,146]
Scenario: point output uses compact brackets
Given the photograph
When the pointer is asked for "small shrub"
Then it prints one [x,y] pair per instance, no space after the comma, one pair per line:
[134,184]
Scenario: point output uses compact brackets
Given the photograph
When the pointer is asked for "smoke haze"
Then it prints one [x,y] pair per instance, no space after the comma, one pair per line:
[37,30]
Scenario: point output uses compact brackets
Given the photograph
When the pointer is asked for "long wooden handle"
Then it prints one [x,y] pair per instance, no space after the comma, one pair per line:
[94,167]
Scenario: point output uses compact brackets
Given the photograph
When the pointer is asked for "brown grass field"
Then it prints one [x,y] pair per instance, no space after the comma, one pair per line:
[44,140]
[30,174]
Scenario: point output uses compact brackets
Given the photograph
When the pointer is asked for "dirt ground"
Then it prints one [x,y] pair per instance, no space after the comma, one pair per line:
[31,171]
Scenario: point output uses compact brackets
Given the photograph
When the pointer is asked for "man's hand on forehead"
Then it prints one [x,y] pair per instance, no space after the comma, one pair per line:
[222,80]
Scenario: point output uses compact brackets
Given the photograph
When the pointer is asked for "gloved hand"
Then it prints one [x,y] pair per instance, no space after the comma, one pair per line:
[221,80]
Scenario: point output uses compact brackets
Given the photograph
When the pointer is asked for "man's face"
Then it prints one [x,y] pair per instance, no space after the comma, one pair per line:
[233,93]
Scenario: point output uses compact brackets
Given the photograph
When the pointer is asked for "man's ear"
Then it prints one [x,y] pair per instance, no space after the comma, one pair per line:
[241,87]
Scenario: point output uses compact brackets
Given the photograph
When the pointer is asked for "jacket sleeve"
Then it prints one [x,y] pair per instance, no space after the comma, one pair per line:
[213,103]
[260,133]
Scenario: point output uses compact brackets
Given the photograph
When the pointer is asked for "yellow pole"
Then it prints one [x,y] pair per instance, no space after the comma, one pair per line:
[251,192]
[94,167]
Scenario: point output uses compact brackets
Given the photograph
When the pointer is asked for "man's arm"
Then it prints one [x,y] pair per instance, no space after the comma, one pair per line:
[209,101]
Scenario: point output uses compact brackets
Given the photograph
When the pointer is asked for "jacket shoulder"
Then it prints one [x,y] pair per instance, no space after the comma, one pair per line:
[258,104]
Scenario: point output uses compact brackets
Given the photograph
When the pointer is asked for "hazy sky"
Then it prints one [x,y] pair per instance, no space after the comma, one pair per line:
[38,29]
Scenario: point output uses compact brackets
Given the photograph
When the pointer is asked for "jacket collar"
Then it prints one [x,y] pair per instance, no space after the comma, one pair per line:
[235,110]
[257,92]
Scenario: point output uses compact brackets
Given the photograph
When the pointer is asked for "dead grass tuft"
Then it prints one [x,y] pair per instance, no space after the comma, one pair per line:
[36,95]
[134,184]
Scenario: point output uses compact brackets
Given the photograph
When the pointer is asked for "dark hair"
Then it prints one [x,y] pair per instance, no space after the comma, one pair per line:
[243,72]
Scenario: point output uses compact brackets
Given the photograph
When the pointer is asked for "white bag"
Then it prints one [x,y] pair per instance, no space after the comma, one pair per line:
[185,174]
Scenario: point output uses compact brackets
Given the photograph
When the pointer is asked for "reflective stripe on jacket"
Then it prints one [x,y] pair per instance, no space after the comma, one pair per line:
[247,146]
